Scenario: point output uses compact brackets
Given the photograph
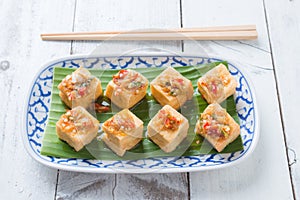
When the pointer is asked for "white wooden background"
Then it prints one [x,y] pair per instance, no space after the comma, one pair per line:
[272,62]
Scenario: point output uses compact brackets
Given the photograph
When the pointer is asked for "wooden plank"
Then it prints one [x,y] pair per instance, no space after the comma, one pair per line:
[218,13]
[107,186]
[126,15]
[267,167]
[21,23]
[85,186]
[123,15]
[284,36]
[152,186]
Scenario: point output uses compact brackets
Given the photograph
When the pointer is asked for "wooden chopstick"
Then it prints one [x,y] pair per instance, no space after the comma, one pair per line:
[234,35]
[243,32]
[203,29]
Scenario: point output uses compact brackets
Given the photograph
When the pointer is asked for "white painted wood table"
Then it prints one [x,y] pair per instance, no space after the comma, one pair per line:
[273,65]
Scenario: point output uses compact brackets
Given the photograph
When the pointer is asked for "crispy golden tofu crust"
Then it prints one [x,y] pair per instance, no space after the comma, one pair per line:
[79,131]
[118,136]
[167,139]
[217,84]
[204,128]
[68,88]
[164,88]
[122,96]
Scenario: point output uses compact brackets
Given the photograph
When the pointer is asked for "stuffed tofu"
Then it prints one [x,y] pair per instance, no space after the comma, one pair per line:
[127,88]
[122,132]
[217,126]
[77,127]
[80,88]
[171,88]
[217,84]
[168,128]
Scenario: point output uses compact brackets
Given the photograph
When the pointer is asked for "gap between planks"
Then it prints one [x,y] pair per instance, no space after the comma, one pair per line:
[181,23]
[187,174]
[73,26]
[278,98]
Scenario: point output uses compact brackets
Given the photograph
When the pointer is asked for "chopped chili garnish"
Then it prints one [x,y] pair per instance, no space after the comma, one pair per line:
[135,76]
[172,122]
[169,121]
[88,124]
[214,127]
[123,72]
[214,87]
[203,84]
[81,91]
[120,75]
[206,125]
[71,96]
[180,81]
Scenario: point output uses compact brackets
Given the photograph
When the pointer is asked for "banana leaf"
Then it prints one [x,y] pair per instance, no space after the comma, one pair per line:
[194,144]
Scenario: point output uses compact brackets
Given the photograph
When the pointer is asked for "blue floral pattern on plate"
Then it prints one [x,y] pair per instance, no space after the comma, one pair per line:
[37,111]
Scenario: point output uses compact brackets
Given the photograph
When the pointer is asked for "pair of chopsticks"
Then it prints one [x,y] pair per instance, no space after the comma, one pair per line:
[243,32]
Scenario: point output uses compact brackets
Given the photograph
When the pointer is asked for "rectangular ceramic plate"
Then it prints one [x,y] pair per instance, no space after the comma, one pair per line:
[38,105]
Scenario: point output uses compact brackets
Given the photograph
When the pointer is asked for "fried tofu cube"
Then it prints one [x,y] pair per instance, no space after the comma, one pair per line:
[127,88]
[123,131]
[217,84]
[80,88]
[115,148]
[168,128]
[171,88]
[77,127]
[217,126]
